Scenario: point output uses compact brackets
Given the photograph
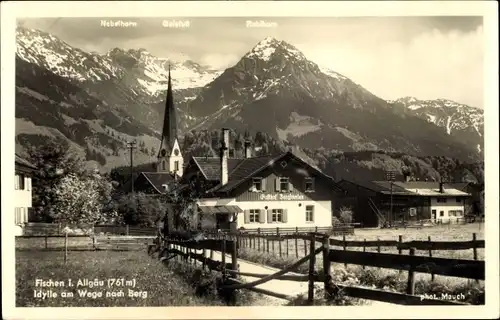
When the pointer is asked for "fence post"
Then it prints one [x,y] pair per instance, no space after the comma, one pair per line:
[364,250]
[312,261]
[305,247]
[326,265]
[400,242]
[410,288]
[66,247]
[430,255]
[286,239]
[378,245]
[296,242]
[344,244]
[279,239]
[234,258]
[204,261]
[258,243]
[223,258]
[474,248]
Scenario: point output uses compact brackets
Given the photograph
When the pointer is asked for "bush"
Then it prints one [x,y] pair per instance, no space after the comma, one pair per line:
[346,215]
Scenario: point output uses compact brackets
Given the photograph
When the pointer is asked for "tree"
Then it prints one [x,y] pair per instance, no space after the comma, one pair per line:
[54,161]
[140,209]
[81,199]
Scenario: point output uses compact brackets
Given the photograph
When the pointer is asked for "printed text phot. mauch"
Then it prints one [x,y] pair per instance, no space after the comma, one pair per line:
[249,161]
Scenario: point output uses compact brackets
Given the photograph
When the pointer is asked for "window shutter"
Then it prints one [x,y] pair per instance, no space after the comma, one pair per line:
[263,184]
[269,216]
[290,186]
[277,184]
[247,216]
[285,215]
[262,216]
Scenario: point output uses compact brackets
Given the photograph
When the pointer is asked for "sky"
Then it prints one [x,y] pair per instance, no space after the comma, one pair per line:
[424,57]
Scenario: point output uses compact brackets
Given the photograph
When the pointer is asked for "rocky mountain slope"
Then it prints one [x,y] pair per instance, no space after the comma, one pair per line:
[100,101]
[275,89]
[97,102]
[461,121]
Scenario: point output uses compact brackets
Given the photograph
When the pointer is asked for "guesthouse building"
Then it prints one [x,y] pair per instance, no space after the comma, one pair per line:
[260,192]
[23,193]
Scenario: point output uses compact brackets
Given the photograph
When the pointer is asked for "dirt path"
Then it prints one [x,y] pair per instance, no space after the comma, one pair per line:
[291,288]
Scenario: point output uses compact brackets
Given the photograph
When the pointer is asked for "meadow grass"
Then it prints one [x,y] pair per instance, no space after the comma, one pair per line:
[164,287]
[386,279]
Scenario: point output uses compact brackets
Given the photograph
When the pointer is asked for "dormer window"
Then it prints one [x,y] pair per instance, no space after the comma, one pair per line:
[257,185]
[284,184]
[309,184]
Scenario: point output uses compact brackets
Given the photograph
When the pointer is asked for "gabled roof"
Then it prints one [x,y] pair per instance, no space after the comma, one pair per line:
[251,167]
[155,179]
[23,162]
[158,179]
[210,166]
[413,188]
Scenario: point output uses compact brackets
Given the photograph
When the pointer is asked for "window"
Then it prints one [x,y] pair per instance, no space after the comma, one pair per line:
[459,200]
[441,213]
[163,165]
[19,216]
[451,213]
[277,215]
[434,213]
[257,184]
[459,213]
[19,182]
[284,184]
[254,215]
[176,166]
[309,213]
[309,185]
[28,184]
[441,200]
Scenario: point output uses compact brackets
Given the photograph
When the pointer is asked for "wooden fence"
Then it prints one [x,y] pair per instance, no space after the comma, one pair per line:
[72,242]
[56,229]
[411,263]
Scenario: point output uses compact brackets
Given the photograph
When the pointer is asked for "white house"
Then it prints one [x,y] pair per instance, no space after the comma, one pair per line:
[262,192]
[22,193]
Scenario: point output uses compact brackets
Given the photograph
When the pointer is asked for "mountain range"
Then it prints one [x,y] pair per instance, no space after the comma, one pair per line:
[98,102]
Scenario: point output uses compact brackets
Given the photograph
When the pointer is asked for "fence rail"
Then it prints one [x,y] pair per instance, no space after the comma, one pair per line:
[411,263]
[56,229]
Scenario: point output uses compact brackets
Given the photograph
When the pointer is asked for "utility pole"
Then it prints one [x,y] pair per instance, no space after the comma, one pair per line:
[391,176]
[131,146]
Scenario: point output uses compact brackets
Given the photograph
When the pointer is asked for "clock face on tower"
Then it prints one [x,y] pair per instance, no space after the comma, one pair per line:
[163,152]
[176,152]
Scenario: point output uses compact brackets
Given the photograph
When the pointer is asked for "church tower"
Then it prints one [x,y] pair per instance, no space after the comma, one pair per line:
[170,158]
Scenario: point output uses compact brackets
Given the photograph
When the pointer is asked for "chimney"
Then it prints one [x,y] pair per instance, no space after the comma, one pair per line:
[441,187]
[224,176]
[248,151]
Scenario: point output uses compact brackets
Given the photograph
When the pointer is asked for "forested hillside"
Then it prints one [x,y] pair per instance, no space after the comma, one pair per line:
[362,165]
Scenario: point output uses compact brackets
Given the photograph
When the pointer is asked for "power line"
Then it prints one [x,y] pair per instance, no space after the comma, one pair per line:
[131,145]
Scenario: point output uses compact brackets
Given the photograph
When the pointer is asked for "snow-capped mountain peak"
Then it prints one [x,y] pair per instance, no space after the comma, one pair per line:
[150,73]
[269,46]
[458,119]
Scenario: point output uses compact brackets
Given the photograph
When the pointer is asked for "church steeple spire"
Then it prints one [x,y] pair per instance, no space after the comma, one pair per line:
[169,132]
[170,159]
